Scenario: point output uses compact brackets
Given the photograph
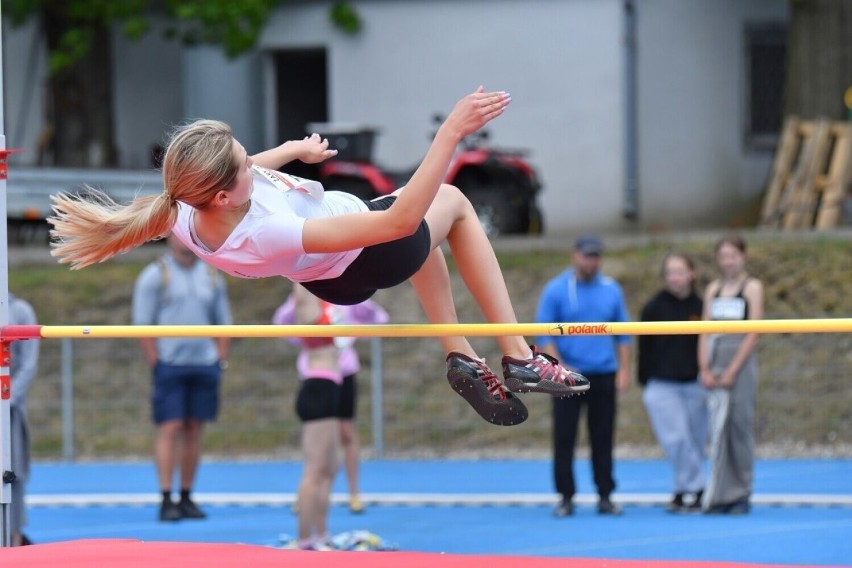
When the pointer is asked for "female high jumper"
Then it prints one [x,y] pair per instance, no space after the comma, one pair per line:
[237,213]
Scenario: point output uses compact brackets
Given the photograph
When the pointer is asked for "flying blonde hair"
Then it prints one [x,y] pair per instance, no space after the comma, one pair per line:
[91,227]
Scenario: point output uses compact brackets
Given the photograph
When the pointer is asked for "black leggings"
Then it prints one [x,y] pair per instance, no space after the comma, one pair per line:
[600,404]
[380,266]
[348,398]
[317,399]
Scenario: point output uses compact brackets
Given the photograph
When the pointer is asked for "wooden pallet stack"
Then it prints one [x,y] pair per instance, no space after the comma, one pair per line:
[811,176]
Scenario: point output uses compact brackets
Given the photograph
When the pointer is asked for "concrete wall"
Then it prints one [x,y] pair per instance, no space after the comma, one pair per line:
[228,90]
[148,89]
[23,90]
[694,166]
[561,60]
[564,63]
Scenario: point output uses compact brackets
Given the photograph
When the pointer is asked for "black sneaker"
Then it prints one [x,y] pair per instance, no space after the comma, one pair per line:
[607,507]
[676,504]
[542,374]
[481,388]
[741,507]
[169,511]
[694,506]
[189,510]
[564,509]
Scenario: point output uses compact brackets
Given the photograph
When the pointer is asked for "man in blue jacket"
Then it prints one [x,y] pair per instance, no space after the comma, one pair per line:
[583,294]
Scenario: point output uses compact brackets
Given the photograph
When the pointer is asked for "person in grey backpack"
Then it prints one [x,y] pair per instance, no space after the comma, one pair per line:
[179,289]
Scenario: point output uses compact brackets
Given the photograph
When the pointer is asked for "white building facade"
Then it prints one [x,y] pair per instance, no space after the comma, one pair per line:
[655,126]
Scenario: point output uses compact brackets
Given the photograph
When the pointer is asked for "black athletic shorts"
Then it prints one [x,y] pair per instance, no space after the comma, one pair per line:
[377,267]
[317,399]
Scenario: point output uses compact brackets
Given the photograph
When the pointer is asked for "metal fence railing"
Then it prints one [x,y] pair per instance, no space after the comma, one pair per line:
[91,399]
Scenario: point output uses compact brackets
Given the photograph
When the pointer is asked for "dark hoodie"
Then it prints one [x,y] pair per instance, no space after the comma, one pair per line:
[671,357]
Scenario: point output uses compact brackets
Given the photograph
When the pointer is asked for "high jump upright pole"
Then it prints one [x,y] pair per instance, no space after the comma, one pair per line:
[5,379]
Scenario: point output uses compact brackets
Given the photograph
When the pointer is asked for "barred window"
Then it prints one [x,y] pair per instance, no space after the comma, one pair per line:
[765,70]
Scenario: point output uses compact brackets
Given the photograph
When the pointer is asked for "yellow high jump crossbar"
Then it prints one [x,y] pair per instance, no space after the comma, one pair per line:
[825,325]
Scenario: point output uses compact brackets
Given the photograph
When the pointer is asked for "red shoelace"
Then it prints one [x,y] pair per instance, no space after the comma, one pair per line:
[550,369]
[487,376]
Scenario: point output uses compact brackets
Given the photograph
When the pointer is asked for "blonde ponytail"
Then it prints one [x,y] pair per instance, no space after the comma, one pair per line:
[93,228]
[198,162]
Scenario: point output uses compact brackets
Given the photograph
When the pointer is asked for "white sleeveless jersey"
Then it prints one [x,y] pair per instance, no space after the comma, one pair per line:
[268,241]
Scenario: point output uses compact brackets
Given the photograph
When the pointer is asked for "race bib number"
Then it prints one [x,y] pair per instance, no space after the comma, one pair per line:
[728,309]
[286,182]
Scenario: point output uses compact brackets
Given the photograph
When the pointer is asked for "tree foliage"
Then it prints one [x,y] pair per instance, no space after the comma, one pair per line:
[78,129]
[78,126]
[235,25]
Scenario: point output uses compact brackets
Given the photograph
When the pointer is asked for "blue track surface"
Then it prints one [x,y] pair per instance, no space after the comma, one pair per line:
[804,535]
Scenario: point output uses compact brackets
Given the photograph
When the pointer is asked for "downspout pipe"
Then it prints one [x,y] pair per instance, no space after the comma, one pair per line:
[630,206]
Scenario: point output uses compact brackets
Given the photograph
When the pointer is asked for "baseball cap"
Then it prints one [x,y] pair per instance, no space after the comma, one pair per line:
[589,244]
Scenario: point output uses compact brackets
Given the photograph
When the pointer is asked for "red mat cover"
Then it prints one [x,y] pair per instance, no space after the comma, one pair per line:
[120,553]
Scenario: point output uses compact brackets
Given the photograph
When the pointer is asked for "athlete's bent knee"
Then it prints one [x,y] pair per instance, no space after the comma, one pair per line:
[452,194]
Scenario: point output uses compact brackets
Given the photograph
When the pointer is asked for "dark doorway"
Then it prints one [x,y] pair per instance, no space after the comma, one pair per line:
[301,92]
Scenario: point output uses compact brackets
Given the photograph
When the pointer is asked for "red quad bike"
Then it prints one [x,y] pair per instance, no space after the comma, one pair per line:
[501,184]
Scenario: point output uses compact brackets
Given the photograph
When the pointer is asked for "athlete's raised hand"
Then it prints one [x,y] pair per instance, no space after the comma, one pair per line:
[315,149]
[475,110]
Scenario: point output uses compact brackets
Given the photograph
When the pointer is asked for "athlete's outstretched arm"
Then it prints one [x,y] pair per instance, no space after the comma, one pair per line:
[364,229]
[469,115]
[311,150]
